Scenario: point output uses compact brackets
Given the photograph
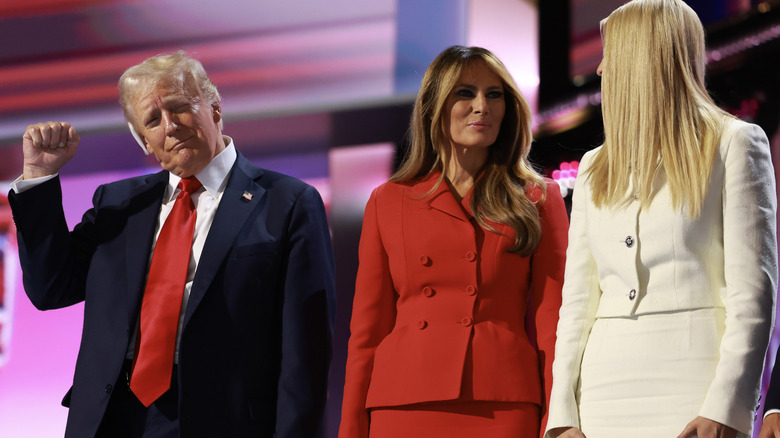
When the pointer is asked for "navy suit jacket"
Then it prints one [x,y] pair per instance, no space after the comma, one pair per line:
[256,341]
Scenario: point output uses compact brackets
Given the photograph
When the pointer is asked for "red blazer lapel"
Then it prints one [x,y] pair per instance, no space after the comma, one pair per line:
[441,198]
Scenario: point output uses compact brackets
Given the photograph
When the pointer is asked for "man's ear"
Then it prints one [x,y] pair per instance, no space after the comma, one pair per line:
[141,142]
[216,111]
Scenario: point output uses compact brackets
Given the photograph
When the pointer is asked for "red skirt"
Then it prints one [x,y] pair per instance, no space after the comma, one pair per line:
[456,419]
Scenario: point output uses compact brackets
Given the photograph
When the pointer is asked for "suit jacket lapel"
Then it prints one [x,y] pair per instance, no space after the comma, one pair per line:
[140,233]
[441,199]
[234,210]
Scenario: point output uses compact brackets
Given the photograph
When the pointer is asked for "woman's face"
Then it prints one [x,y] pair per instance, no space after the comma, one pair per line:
[475,108]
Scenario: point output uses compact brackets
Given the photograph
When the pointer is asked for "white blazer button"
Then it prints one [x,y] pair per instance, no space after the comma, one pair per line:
[629,241]
[632,294]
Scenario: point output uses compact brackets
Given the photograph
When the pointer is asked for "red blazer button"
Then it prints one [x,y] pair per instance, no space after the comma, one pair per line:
[428,291]
[425,260]
[422,324]
[467,321]
[470,256]
[471,290]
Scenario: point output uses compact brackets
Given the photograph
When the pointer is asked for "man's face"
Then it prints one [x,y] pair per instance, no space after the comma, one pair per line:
[178,127]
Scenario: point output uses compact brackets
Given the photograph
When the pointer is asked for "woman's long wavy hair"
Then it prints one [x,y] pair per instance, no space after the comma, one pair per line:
[499,194]
[658,116]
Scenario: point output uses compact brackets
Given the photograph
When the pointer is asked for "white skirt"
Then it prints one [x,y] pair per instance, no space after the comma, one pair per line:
[647,376]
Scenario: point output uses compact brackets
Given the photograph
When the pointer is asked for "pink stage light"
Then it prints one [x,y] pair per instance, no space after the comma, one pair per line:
[565,176]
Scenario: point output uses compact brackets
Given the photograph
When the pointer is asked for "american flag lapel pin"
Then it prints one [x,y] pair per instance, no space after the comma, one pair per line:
[247,196]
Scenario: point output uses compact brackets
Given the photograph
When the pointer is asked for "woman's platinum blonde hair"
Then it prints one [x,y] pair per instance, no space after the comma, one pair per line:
[499,195]
[658,116]
[177,70]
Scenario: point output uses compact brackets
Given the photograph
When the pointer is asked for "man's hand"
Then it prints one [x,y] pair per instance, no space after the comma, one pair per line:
[705,428]
[47,147]
[771,426]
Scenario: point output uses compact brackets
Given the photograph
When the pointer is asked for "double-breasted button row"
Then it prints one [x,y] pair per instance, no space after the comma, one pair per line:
[426,261]
[430,292]
[466,321]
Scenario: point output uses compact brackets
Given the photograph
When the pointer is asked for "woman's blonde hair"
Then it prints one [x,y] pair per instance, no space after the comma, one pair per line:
[499,195]
[658,116]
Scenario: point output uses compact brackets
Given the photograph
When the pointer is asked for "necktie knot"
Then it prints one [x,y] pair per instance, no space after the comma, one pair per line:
[189,184]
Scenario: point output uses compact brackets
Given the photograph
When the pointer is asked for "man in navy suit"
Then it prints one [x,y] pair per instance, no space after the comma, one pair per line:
[253,341]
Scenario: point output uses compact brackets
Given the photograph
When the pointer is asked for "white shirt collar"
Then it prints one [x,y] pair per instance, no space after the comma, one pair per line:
[214,175]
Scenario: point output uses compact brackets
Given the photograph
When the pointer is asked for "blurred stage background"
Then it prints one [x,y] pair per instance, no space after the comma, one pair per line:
[319,90]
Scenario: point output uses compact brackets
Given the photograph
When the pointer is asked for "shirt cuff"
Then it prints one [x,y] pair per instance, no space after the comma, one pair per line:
[19,185]
[771,411]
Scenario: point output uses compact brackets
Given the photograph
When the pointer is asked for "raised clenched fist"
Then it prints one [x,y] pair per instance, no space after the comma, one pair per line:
[47,147]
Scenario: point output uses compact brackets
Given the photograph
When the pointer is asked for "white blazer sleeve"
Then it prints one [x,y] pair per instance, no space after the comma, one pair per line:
[750,266]
[581,295]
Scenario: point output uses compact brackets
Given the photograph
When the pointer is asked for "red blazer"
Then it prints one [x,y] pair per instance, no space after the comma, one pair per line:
[425,293]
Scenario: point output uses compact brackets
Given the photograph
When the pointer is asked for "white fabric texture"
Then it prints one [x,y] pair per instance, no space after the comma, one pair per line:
[630,380]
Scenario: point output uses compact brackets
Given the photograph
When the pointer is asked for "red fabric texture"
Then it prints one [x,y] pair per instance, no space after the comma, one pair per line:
[162,299]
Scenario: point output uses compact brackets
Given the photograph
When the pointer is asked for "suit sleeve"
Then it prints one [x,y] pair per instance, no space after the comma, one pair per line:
[547,267]
[54,261]
[373,317]
[580,298]
[307,320]
[750,266]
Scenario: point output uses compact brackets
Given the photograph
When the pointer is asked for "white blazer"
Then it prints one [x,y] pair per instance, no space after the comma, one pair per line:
[630,261]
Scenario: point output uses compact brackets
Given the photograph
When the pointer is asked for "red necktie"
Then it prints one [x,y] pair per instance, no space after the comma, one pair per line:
[156,344]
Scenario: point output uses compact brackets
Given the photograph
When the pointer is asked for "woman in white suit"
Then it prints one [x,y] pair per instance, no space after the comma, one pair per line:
[671,269]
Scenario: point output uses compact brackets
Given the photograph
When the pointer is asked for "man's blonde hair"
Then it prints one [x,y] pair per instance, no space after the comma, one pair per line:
[177,70]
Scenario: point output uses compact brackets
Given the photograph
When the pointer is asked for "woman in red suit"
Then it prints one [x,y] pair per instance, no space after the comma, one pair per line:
[461,265]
